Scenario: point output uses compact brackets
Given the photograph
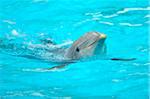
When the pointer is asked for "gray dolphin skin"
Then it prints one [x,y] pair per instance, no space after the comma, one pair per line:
[87,45]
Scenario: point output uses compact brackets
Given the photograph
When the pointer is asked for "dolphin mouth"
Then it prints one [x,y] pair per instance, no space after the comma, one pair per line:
[103,36]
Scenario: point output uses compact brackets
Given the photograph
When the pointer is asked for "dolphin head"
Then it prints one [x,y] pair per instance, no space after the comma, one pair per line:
[86,45]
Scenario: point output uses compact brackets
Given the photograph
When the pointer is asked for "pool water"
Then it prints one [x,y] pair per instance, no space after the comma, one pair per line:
[26,22]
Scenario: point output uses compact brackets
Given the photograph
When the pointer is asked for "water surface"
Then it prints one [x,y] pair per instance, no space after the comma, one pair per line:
[26,22]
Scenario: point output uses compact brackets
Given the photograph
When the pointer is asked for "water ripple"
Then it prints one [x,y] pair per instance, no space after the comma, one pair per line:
[43,70]
[116,80]
[104,22]
[148,22]
[9,22]
[37,1]
[37,94]
[23,93]
[129,24]
[138,74]
[125,10]
[82,22]
[98,16]
[141,64]
[147,16]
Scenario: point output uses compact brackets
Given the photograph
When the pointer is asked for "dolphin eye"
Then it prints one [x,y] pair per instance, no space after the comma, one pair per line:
[77,49]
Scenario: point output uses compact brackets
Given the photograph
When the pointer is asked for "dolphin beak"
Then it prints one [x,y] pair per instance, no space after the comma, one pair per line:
[103,36]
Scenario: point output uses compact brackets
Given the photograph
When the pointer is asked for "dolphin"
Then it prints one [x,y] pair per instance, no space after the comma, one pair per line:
[89,45]
[86,46]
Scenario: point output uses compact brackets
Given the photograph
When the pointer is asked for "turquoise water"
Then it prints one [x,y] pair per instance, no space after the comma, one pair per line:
[26,22]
